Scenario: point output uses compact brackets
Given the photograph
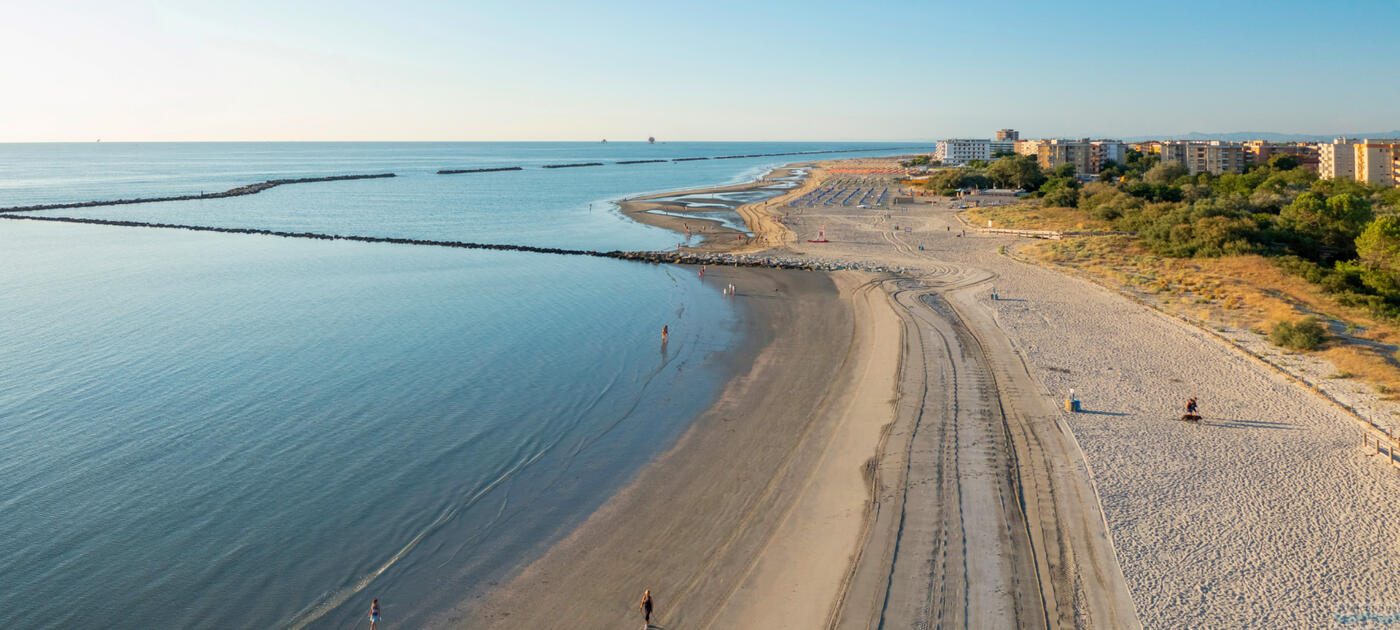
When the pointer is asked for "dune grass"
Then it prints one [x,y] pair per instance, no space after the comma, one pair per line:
[1241,292]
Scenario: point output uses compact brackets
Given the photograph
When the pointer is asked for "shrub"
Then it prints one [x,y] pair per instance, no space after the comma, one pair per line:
[1306,334]
[1062,197]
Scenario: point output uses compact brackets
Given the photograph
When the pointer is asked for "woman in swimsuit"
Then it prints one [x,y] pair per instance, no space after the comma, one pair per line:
[646,607]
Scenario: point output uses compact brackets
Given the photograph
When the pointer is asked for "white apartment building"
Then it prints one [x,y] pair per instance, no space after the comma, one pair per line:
[962,150]
[1337,159]
[1375,160]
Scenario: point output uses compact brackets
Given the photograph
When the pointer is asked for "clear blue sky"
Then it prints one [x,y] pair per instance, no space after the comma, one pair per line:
[520,70]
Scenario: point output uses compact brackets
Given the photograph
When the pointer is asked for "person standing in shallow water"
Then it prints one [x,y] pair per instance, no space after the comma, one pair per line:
[646,607]
[374,615]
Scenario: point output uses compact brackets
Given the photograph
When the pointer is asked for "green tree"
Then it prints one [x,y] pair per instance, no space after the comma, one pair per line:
[1378,248]
[1327,228]
[947,181]
[1140,162]
[1016,171]
[1064,197]
[1165,173]
[1063,170]
[1283,162]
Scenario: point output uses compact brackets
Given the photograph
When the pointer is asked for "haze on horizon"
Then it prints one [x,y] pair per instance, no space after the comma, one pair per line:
[259,70]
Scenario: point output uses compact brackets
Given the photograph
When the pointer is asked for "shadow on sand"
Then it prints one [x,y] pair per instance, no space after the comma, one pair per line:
[1236,423]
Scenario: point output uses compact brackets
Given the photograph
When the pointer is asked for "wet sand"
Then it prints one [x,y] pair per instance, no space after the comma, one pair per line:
[767,486]
[761,218]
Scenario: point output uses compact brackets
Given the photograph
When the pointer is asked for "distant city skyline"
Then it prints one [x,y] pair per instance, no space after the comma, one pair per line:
[889,71]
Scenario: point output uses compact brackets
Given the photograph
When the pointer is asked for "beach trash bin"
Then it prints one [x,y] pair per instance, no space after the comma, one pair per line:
[1072,405]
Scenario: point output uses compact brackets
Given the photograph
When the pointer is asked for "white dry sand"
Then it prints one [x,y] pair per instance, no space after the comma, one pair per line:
[1268,515]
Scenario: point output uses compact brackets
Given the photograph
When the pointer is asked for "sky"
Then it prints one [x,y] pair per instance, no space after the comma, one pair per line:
[714,70]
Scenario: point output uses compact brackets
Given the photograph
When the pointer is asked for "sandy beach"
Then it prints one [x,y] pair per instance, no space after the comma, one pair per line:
[721,526]
[1269,514]
[897,455]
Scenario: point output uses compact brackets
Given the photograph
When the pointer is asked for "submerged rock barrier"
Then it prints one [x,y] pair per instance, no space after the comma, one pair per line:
[455,171]
[572,165]
[640,161]
[250,189]
[681,257]
[689,159]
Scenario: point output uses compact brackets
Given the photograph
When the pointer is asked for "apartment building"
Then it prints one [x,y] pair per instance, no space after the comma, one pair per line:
[1101,151]
[1008,134]
[1376,160]
[1212,157]
[1146,147]
[1258,152]
[1337,159]
[1002,146]
[1087,156]
[962,150]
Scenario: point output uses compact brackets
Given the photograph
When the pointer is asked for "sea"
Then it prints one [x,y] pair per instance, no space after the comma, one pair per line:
[204,429]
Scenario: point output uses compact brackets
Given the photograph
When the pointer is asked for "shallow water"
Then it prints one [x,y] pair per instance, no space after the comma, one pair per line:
[240,431]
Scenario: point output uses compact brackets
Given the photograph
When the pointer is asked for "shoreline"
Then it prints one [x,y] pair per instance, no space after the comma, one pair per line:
[764,230]
[754,464]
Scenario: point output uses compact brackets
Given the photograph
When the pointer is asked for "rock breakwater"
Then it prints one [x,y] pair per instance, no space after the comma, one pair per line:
[681,257]
[250,189]
[456,171]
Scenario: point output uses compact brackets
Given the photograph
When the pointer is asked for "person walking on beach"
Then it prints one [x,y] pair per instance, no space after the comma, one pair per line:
[1191,405]
[374,615]
[646,607]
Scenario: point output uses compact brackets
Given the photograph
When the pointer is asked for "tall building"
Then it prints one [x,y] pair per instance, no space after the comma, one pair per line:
[1101,151]
[1212,157]
[1375,161]
[1337,159]
[1052,154]
[961,150]
[1008,134]
[1086,155]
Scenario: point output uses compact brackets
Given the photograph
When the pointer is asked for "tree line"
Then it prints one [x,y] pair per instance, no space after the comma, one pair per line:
[1340,234]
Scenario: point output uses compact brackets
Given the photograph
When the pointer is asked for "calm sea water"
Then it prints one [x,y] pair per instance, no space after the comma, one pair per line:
[238,431]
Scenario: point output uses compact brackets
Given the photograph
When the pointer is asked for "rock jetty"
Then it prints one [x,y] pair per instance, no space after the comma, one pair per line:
[455,171]
[250,189]
[573,165]
[657,257]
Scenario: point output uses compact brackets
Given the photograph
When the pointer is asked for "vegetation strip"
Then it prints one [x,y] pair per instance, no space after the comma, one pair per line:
[250,189]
